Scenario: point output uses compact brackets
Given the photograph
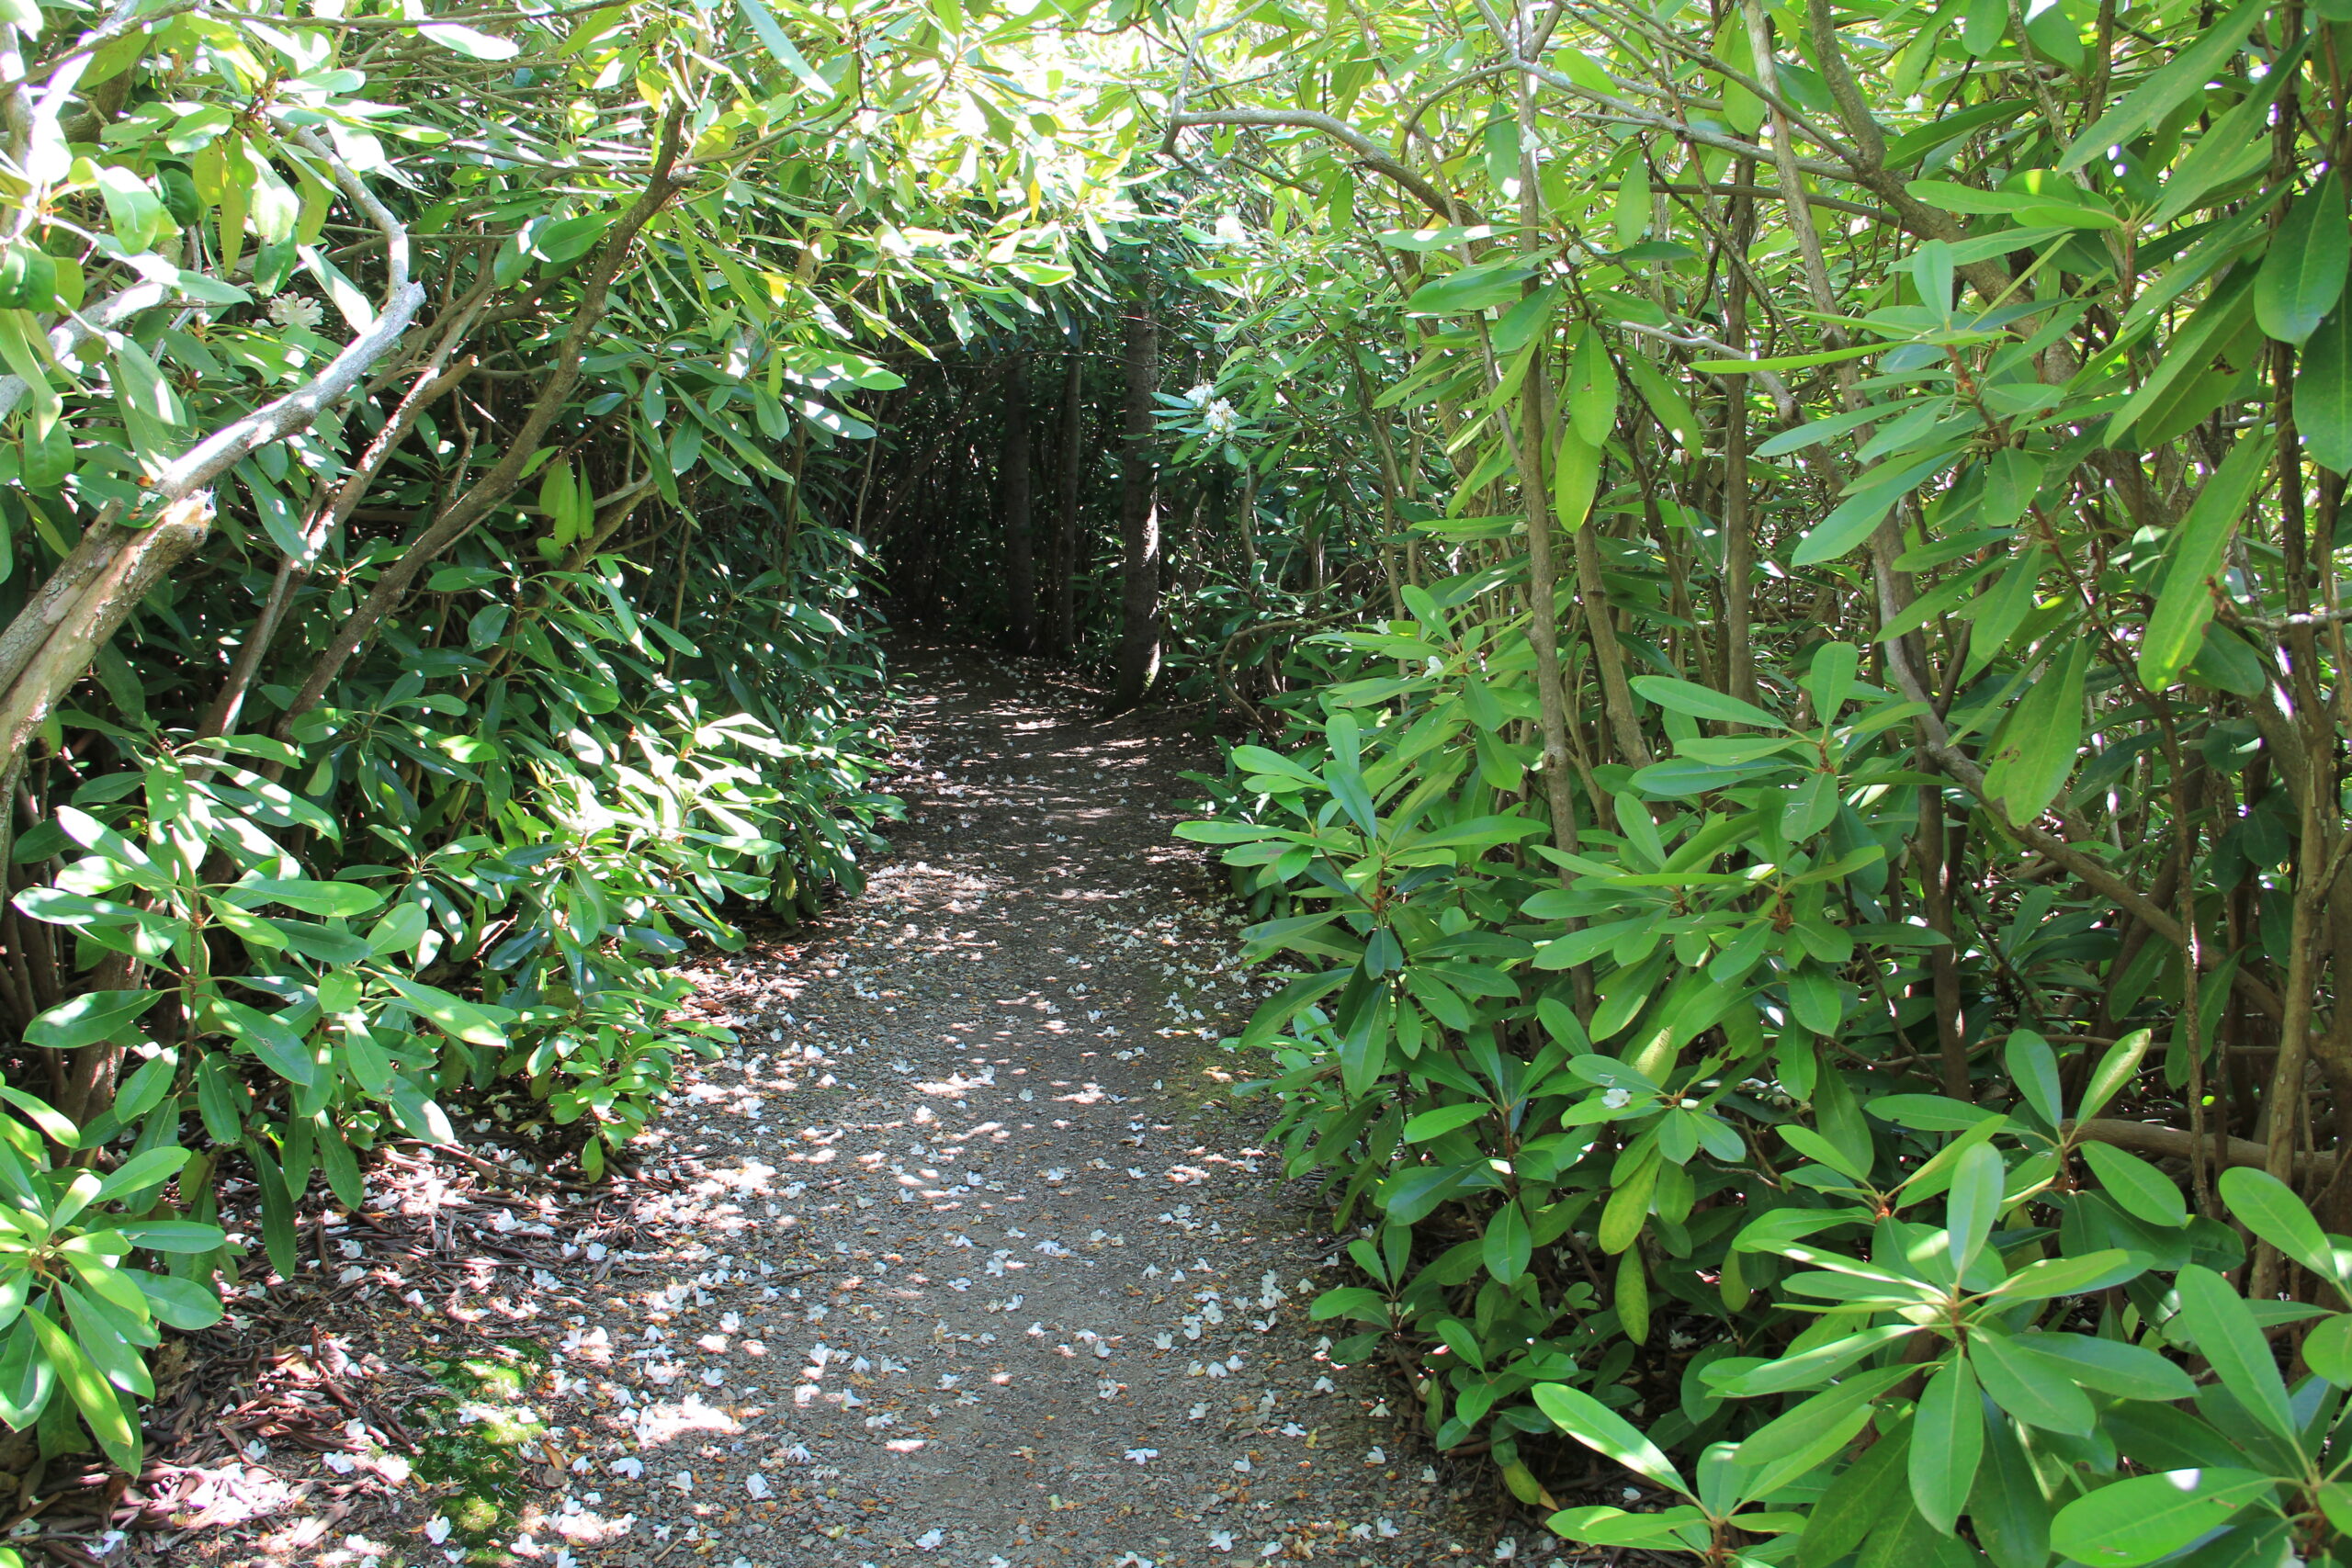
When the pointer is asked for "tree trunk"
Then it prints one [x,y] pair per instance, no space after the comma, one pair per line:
[1066,485]
[1739,530]
[1020,564]
[1138,510]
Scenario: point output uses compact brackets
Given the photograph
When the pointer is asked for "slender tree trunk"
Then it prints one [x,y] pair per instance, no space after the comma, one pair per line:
[1739,535]
[1138,510]
[1066,486]
[1019,562]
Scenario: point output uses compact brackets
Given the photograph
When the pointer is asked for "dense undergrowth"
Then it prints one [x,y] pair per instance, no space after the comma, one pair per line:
[1780,560]
[1811,870]
[428,616]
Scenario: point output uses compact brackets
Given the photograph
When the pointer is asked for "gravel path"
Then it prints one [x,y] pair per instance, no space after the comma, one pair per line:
[967,1262]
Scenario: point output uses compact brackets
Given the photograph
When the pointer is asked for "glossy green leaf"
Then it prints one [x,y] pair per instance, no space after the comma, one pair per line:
[2302,272]
[2034,1388]
[2142,1517]
[2269,1207]
[2229,1339]
[2139,1186]
[2324,392]
[1506,1245]
[1701,702]
[2178,80]
[2192,556]
[1605,1432]
[88,1019]
[1947,1442]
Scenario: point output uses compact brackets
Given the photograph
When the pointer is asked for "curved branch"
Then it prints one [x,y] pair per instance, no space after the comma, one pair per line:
[2173,1143]
[392,586]
[1368,152]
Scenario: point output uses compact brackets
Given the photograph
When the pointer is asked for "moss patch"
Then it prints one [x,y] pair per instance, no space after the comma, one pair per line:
[483,1438]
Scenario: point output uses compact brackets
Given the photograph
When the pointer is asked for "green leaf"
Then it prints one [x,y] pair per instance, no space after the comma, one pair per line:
[763,22]
[1507,1245]
[2052,1277]
[111,1335]
[1631,214]
[1868,501]
[1603,1526]
[1974,1204]
[92,1394]
[1576,476]
[475,1024]
[1478,287]
[286,1052]
[1947,1441]
[171,1236]
[1444,1120]
[1259,759]
[472,42]
[2109,1366]
[2324,392]
[2146,1517]
[1703,702]
[1623,1217]
[1831,1440]
[132,207]
[1350,1302]
[1815,1002]
[2140,1188]
[1275,1015]
[2008,1509]
[2033,1068]
[88,1019]
[1667,402]
[2327,1350]
[1808,1369]
[1592,392]
[559,245]
[2302,275]
[2229,1338]
[2193,555]
[1853,1503]
[2033,1388]
[334,899]
[184,1305]
[276,1210]
[141,1170]
[42,1115]
[1795,1429]
[1814,1146]
[2114,1070]
[2269,1207]
[2178,80]
[1908,1538]
[1478,833]
[1605,1432]
[2040,742]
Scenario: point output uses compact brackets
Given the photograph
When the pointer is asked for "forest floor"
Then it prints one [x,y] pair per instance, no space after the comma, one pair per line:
[962,1256]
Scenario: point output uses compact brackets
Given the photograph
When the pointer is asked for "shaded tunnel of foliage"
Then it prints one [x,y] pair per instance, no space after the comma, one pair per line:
[1772,565]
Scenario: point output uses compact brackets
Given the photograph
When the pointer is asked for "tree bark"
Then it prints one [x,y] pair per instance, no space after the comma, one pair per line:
[1739,537]
[1020,559]
[1138,509]
[1066,485]
[89,620]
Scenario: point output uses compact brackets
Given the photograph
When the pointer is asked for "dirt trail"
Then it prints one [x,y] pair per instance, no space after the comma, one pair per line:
[969,1264]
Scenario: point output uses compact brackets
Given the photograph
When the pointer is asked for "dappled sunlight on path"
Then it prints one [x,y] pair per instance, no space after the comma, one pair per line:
[965,1259]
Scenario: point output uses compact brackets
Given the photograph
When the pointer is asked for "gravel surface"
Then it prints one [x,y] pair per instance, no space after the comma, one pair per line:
[970,1263]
